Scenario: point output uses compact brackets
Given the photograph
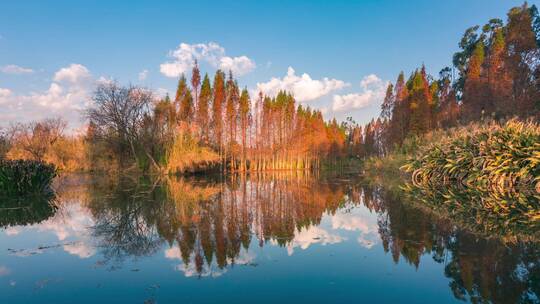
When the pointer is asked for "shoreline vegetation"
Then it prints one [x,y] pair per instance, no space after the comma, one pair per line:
[483,176]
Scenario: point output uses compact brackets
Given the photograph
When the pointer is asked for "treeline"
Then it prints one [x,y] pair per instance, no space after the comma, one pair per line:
[268,133]
[218,119]
[495,76]
[206,126]
[213,124]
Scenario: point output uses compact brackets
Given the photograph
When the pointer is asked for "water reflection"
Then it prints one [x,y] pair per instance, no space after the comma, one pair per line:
[209,221]
[27,210]
[208,225]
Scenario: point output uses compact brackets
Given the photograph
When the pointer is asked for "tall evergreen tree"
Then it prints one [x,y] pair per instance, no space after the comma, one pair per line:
[195,83]
[522,53]
[474,97]
[203,108]
[245,119]
[418,104]
[498,80]
[217,109]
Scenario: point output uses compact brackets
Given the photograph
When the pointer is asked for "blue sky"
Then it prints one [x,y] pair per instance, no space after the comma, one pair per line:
[53,52]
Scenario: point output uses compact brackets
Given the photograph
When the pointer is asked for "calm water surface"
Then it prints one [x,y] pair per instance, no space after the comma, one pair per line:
[287,238]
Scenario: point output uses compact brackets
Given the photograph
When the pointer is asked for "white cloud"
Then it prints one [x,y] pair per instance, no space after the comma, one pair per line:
[238,65]
[71,224]
[66,96]
[81,250]
[372,90]
[143,74]
[74,73]
[312,235]
[303,87]
[185,55]
[368,80]
[361,221]
[15,69]
[12,231]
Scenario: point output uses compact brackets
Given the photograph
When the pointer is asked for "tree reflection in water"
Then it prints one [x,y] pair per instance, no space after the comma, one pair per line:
[210,223]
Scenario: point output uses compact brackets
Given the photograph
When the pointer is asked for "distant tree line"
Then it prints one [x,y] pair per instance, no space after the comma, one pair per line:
[213,123]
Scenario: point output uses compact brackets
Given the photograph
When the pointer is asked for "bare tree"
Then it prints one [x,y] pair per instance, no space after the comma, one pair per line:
[118,115]
[37,137]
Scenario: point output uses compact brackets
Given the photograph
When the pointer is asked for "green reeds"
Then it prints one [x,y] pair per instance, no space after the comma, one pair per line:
[25,177]
[487,173]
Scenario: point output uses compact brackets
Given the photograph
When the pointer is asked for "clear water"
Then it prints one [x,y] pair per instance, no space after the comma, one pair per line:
[281,238]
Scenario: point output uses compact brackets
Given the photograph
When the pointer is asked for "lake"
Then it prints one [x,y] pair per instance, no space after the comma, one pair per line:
[286,237]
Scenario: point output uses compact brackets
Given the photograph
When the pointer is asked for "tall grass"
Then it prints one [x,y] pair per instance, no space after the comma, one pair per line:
[488,175]
[497,158]
[24,177]
[185,155]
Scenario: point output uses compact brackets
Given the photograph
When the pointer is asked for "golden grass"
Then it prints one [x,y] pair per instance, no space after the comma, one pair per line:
[185,155]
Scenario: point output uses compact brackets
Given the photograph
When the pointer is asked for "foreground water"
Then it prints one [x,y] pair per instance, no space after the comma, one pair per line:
[288,238]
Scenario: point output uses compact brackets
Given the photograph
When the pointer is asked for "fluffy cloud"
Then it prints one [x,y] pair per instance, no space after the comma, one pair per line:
[66,96]
[12,231]
[71,224]
[74,73]
[143,74]
[310,236]
[361,221]
[183,58]
[15,69]
[238,65]
[303,87]
[372,90]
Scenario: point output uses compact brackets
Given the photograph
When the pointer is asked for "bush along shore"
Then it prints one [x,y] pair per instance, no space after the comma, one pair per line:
[484,176]
[19,178]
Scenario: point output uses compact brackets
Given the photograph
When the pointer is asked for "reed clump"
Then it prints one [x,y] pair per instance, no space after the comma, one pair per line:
[186,155]
[489,171]
[25,177]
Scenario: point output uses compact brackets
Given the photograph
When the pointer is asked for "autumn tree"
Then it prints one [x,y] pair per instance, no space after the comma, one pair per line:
[217,109]
[118,114]
[37,137]
[203,109]
[231,108]
[522,55]
[195,82]
[244,108]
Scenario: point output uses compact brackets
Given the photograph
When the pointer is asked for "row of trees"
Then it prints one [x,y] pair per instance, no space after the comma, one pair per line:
[496,75]
[269,133]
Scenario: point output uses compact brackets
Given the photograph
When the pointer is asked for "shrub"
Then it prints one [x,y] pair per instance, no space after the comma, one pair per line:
[186,155]
[22,177]
[488,174]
